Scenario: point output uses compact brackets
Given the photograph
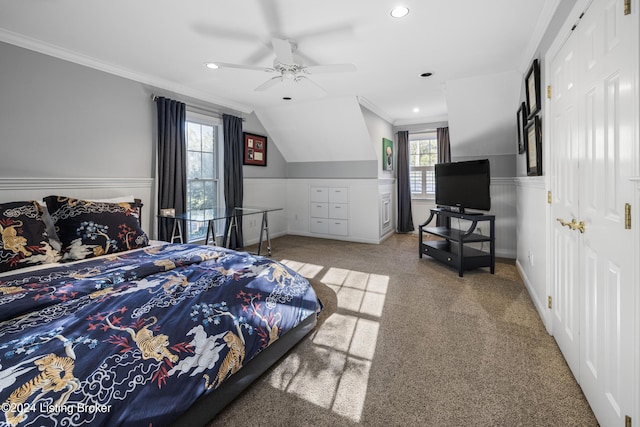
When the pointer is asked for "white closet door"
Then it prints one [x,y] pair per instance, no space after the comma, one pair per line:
[608,41]
[593,130]
[564,149]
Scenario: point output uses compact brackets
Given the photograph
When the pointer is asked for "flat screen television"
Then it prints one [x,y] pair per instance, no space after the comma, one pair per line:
[463,185]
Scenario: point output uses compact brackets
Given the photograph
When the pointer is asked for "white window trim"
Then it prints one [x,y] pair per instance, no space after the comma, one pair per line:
[204,119]
[419,137]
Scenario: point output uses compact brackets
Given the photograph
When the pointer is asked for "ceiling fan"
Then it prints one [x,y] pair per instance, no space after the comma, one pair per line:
[289,69]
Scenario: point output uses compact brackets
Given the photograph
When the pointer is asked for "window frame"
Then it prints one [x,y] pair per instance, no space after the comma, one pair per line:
[216,123]
[427,172]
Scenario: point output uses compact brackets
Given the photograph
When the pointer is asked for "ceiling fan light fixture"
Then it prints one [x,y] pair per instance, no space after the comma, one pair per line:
[211,65]
[399,12]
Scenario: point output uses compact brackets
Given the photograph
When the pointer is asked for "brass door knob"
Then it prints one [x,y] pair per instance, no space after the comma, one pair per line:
[573,224]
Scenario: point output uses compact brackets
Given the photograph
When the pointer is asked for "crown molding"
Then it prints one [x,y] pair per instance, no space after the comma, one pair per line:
[375,109]
[49,49]
[546,15]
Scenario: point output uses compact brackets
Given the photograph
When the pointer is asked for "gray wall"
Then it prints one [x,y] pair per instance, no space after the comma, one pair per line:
[560,16]
[276,164]
[350,169]
[59,119]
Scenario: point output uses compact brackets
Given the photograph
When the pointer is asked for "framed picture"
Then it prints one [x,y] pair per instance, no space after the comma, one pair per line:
[255,150]
[387,154]
[533,144]
[532,86]
[522,121]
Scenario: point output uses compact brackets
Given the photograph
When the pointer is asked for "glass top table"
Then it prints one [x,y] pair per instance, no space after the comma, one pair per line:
[213,215]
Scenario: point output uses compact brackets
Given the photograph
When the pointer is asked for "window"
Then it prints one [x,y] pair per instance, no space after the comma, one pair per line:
[202,173]
[423,156]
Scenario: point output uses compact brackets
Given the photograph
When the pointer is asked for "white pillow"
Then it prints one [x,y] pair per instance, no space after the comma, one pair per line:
[121,199]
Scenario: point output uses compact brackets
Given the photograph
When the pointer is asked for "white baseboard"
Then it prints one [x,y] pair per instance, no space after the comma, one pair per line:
[540,306]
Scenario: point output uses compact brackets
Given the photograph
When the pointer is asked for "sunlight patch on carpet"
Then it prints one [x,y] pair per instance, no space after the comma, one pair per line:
[337,376]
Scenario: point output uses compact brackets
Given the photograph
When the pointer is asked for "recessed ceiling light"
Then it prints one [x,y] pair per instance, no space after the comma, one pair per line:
[399,12]
[211,65]
[286,98]
[426,74]
[416,110]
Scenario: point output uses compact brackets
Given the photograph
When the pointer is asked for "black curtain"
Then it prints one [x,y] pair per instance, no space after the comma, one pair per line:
[444,156]
[233,185]
[172,174]
[444,146]
[405,220]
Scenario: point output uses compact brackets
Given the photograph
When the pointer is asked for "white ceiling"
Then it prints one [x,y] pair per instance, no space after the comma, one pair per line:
[164,43]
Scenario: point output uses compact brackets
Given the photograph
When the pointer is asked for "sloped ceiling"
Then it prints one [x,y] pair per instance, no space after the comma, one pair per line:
[482,114]
[326,130]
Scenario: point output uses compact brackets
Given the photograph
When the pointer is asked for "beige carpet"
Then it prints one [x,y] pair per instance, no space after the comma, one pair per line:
[410,343]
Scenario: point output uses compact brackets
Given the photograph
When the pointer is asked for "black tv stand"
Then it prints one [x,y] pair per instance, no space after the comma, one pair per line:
[451,248]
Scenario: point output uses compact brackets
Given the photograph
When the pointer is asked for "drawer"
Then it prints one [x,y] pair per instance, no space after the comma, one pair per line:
[319,194]
[339,195]
[339,211]
[319,225]
[338,227]
[319,210]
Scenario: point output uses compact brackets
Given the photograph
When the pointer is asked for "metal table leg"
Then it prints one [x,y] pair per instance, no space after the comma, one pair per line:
[211,233]
[176,231]
[264,228]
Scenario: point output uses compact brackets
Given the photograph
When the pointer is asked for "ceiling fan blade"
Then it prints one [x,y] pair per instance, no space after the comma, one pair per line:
[332,68]
[227,33]
[304,81]
[244,67]
[269,84]
[271,15]
[284,51]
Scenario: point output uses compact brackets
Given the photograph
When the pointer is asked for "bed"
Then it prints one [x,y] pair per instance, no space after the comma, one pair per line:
[99,326]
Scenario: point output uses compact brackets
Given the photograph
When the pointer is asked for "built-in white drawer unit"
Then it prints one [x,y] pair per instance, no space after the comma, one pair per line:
[339,210]
[338,227]
[319,210]
[320,194]
[339,195]
[320,225]
[329,210]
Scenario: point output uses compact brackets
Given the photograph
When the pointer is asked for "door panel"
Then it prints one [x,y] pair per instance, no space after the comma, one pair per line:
[565,184]
[607,265]
[593,123]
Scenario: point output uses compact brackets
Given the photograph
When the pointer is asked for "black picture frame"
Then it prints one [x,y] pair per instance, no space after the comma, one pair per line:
[532,87]
[522,122]
[533,142]
[255,150]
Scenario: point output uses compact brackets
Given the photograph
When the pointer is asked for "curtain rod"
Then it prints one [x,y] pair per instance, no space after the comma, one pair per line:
[419,131]
[197,108]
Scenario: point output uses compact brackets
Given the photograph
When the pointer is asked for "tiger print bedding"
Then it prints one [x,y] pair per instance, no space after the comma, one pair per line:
[136,338]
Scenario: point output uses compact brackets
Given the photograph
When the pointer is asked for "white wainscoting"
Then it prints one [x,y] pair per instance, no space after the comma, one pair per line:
[19,189]
[364,210]
[532,246]
[388,206]
[264,192]
[503,206]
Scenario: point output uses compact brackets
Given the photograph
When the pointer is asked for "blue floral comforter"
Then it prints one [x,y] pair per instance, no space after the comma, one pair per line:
[136,338]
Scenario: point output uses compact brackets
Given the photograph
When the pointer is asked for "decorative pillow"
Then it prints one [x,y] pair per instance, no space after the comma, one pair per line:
[23,234]
[87,229]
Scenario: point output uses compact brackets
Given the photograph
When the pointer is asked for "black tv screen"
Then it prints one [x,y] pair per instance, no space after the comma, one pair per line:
[464,185]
